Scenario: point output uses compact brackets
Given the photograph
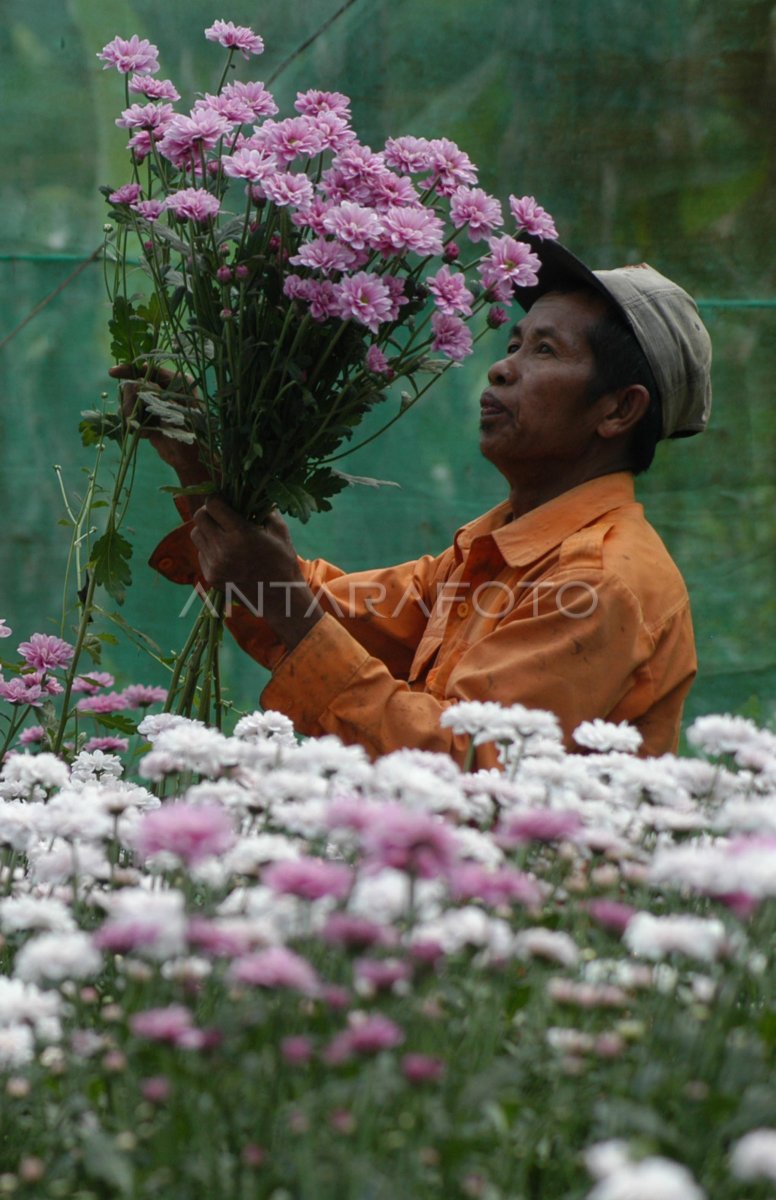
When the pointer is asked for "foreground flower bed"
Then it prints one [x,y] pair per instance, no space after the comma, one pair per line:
[276,969]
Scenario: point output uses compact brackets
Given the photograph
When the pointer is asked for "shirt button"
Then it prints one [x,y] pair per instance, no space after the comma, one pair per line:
[165,564]
[463,609]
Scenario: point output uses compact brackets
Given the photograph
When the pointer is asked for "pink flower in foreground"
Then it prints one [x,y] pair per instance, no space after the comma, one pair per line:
[409,154]
[109,702]
[450,292]
[452,337]
[292,138]
[509,262]
[309,878]
[92,682]
[5,630]
[450,166]
[276,967]
[185,136]
[344,929]
[415,842]
[286,188]
[369,1035]
[415,229]
[376,361]
[189,831]
[611,914]
[133,55]
[193,204]
[235,37]
[323,255]
[140,695]
[531,217]
[34,733]
[108,744]
[313,102]
[212,938]
[366,298]
[504,885]
[475,209]
[168,1024]
[254,95]
[123,935]
[154,89]
[246,163]
[537,825]
[145,116]
[46,652]
[18,691]
[353,224]
[497,316]
[127,194]
[422,1068]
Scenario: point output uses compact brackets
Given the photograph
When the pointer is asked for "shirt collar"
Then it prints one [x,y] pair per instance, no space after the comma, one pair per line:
[533,535]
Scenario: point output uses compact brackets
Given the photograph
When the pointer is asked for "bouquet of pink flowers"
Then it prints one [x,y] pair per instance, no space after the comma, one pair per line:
[292,272]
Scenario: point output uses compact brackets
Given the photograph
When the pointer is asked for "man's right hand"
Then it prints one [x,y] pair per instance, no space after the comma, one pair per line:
[183,457]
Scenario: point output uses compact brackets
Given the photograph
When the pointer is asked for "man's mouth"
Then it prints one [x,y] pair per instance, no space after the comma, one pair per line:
[490,406]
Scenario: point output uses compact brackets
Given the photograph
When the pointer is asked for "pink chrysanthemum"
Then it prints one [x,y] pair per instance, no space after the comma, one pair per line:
[109,702]
[323,255]
[450,292]
[353,224]
[189,831]
[140,695]
[109,745]
[309,878]
[611,914]
[133,55]
[276,967]
[531,217]
[334,132]
[32,735]
[253,165]
[409,154]
[145,116]
[127,194]
[422,1068]
[369,1035]
[313,102]
[376,361]
[292,138]
[510,263]
[46,652]
[415,842]
[538,825]
[149,210]
[141,144]
[475,209]
[504,885]
[452,337]
[5,630]
[253,95]
[92,682]
[450,166]
[168,1024]
[18,691]
[183,136]
[389,191]
[154,89]
[357,933]
[235,37]
[322,298]
[193,204]
[365,298]
[284,188]
[416,229]
[311,216]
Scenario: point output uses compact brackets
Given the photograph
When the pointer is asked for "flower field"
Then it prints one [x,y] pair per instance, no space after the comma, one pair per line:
[249,966]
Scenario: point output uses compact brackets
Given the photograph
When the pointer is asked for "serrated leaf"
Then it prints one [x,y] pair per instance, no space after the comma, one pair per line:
[96,426]
[115,722]
[110,562]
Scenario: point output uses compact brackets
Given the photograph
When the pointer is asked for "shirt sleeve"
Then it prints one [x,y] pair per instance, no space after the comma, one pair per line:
[579,658]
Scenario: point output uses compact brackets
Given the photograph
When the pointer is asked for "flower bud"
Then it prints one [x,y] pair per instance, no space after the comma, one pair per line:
[497,316]
[224,274]
[452,251]
[242,272]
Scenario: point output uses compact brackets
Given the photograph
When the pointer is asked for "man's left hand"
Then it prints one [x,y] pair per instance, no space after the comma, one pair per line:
[260,563]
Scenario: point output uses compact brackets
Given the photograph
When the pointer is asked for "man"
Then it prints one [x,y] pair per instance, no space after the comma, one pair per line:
[563,597]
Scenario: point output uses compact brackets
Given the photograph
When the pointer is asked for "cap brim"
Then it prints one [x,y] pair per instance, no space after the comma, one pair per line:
[559,268]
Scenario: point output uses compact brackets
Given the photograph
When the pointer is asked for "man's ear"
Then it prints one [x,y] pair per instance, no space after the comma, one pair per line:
[622,410]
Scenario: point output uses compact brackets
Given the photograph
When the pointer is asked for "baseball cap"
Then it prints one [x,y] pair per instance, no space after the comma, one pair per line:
[663,317]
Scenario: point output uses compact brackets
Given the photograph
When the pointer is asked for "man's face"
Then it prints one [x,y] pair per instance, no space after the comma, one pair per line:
[537,408]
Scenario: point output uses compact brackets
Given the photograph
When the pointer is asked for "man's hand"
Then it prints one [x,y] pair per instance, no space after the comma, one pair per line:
[183,457]
[258,561]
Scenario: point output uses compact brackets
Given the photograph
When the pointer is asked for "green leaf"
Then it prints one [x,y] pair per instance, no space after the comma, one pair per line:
[131,336]
[110,562]
[206,488]
[115,722]
[93,647]
[365,480]
[97,426]
[103,1161]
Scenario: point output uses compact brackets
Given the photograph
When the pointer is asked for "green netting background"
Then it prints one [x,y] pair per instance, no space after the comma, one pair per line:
[646,128]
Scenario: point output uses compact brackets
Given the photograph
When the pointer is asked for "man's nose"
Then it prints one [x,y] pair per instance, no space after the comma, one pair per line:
[504,370]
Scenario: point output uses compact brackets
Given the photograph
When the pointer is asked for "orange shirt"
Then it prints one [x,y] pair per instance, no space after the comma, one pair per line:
[575,607]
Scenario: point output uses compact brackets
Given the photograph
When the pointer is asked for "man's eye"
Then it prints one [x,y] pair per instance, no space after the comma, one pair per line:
[513,347]
[544,348]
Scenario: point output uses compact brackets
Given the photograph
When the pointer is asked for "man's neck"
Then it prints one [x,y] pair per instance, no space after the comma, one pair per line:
[531,491]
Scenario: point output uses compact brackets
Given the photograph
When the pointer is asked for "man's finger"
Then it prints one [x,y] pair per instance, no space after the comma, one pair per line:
[222,514]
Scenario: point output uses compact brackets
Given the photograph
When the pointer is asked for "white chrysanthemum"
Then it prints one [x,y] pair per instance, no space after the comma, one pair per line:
[647,1180]
[470,926]
[56,862]
[606,735]
[189,747]
[754,1155]
[397,777]
[470,716]
[478,846]
[35,912]
[747,816]
[385,896]
[273,918]
[551,944]
[76,816]
[655,937]
[190,970]
[252,853]
[54,957]
[155,723]
[25,1003]
[163,913]
[721,734]
[305,818]
[117,796]
[17,827]
[604,1157]
[45,770]
[17,1046]
[96,764]
[661,817]
[266,726]
[568,1040]
[521,725]
[229,793]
